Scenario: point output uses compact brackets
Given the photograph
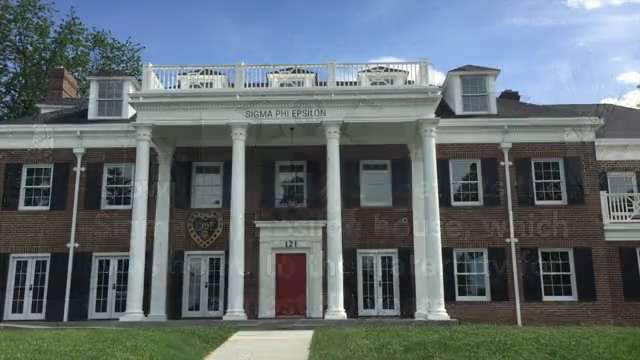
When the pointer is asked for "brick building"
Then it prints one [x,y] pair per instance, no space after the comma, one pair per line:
[321,191]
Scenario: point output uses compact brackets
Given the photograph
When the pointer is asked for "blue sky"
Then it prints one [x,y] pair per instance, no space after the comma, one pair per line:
[552,51]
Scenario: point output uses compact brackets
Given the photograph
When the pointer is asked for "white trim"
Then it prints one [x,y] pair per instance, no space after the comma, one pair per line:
[377,254]
[480,201]
[638,253]
[27,297]
[563,182]
[487,281]
[23,182]
[203,312]
[278,193]
[363,197]
[103,194]
[574,288]
[220,164]
[112,256]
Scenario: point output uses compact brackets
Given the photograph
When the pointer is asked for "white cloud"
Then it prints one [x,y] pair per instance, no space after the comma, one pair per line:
[630,77]
[386,59]
[629,99]
[595,4]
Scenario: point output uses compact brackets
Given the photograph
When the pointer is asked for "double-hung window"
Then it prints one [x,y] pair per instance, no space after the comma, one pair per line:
[466,182]
[109,98]
[291,184]
[475,94]
[206,185]
[117,186]
[35,189]
[558,275]
[549,181]
[471,274]
[375,183]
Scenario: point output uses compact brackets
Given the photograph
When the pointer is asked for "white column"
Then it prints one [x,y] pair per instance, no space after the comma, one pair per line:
[435,281]
[158,308]
[335,296]
[235,296]
[135,288]
[419,231]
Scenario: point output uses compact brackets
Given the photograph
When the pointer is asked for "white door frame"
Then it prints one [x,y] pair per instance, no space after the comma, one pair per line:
[377,254]
[203,312]
[26,314]
[113,258]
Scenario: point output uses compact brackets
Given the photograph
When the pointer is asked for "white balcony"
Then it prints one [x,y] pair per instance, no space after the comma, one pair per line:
[243,77]
[621,216]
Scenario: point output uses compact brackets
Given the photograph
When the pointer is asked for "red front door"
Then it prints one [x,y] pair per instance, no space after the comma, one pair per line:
[291,285]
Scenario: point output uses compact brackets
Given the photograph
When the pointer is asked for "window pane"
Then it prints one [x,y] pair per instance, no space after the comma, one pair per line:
[556,273]
[37,186]
[471,103]
[465,180]
[471,273]
[473,85]
[118,185]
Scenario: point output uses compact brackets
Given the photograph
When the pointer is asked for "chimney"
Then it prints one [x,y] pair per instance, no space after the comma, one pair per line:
[510,95]
[61,85]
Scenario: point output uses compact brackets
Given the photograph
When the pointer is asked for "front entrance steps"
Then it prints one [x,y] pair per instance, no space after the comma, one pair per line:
[267,345]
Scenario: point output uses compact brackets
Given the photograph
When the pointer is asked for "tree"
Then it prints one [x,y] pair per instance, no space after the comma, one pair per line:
[32,44]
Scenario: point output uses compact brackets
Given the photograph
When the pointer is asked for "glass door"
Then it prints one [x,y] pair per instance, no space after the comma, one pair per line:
[378,291]
[27,295]
[109,286]
[203,290]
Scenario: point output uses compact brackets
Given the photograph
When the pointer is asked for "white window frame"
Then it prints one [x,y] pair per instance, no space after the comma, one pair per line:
[278,189]
[572,266]
[480,201]
[113,256]
[193,175]
[377,253]
[485,94]
[363,200]
[487,281]
[23,183]
[103,195]
[10,287]
[630,174]
[185,284]
[563,182]
[98,99]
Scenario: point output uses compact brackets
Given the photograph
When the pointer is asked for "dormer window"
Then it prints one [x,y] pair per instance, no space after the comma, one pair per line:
[475,94]
[291,83]
[109,99]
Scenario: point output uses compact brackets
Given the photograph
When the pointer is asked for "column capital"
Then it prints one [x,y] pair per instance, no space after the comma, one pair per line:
[238,131]
[428,125]
[143,133]
[332,130]
[79,151]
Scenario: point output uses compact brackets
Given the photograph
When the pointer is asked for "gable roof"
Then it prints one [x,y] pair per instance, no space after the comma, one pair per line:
[471,68]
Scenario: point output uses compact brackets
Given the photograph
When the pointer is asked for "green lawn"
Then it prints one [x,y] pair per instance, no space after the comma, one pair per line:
[476,342]
[118,343]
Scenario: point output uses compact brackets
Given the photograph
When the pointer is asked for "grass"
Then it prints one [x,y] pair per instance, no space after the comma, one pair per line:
[117,343]
[475,342]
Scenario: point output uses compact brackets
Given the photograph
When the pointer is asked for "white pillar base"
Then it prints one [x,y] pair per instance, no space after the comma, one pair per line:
[335,315]
[438,316]
[158,318]
[133,317]
[235,315]
[421,316]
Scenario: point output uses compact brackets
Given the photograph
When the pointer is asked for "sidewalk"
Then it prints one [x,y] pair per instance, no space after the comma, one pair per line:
[267,345]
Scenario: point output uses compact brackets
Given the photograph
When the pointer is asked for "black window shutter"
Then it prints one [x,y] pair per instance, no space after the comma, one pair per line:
[490,189]
[531,274]
[175,278]
[603,181]
[401,182]
[93,186]
[524,182]
[448,274]
[498,274]
[57,286]
[12,181]
[182,180]
[4,269]
[350,175]
[444,186]
[60,186]
[268,184]
[350,258]
[573,177]
[585,280]
[226,184]
[314,187]
[630,273]
[80,286]
[406,282]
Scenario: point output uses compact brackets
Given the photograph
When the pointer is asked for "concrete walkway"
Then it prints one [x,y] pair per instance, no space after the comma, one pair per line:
[267,345]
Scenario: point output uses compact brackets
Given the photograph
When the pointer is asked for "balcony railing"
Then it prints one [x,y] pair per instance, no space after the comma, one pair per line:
[620,208]
[247,77]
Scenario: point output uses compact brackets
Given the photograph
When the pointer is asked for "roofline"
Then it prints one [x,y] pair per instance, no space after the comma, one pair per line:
[525,121]
[618,141]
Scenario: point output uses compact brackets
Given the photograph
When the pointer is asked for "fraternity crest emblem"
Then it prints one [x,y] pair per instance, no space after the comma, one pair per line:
[204,228]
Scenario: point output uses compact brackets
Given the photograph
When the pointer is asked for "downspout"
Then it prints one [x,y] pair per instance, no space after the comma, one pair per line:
[512,238]
[72,245]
